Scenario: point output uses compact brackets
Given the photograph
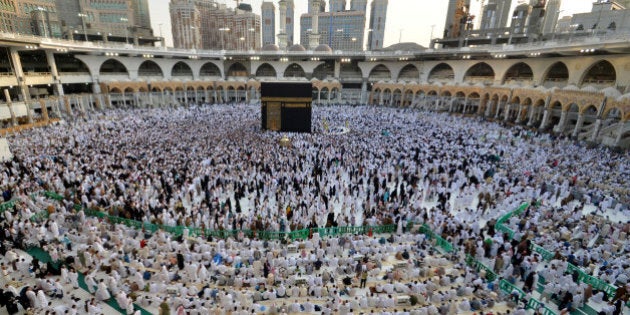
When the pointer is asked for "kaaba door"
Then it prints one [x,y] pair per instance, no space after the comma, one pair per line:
[274,116]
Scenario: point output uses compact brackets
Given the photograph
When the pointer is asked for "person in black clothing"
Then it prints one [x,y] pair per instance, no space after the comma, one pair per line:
[180,260]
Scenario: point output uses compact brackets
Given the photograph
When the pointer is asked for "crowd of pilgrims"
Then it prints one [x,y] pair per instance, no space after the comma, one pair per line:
[212,167]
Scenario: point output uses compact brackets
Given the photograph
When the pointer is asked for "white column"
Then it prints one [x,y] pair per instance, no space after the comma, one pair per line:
[533,111]
[496,113]
[578,125]
[363,90]
[10,106]
[597,127]
[50,57]
[17,67]
[545,119]
[560,126]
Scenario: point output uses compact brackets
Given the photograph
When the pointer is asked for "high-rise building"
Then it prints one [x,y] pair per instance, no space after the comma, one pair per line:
[519,18]
[605,16]
[36,17]
[116,20]
[337,5]
[536,17]
[290,22]
[186,24]
[496,14]
[376,32]
[141,14]
[458,18]
[268,23]
[339,30]
[551,16]
[217,26]
[358,5]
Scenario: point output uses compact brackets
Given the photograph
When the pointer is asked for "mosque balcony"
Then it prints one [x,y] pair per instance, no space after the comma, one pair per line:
[38,78]
[74,77]
[480,79]
[7,79]
[555,82]
[571,46]
[113,77]
[151,78]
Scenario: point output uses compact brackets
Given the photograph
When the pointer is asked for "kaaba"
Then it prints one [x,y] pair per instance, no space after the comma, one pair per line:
[286,106]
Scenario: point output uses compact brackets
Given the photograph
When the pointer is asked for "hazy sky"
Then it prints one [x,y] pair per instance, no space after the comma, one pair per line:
[407,20]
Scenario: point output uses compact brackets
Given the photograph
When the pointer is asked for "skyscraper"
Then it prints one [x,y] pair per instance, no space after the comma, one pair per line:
[551,16]
[268,23]
[186,24]
[378,15]
[141,15]
[216,25]
[358,5]
[339,30]
[519,18]
[496,14]
[337,5]
[116,20]
[456,18]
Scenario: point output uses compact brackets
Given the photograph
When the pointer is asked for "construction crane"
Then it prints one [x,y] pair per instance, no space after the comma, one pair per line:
[460,18]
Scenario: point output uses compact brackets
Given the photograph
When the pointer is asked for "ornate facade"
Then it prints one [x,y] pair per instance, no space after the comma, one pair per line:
[578,89]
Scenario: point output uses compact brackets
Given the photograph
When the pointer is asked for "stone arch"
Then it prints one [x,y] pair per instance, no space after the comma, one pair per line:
[519,72]
[334,93]
[324,71]
[441,72]
[380,73]
[150,68]
[483,103]
[473,103]
[68,63]
[209,69]
[396,97]
[409,73]
[600,74]
[294,70]
[516,100]
[480,73]
[181,70]
[556,74]
[237,69]
[323,93]
[113,66]
[386,96]
[555,113]
[613,113]
[266,70]
[350,70]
